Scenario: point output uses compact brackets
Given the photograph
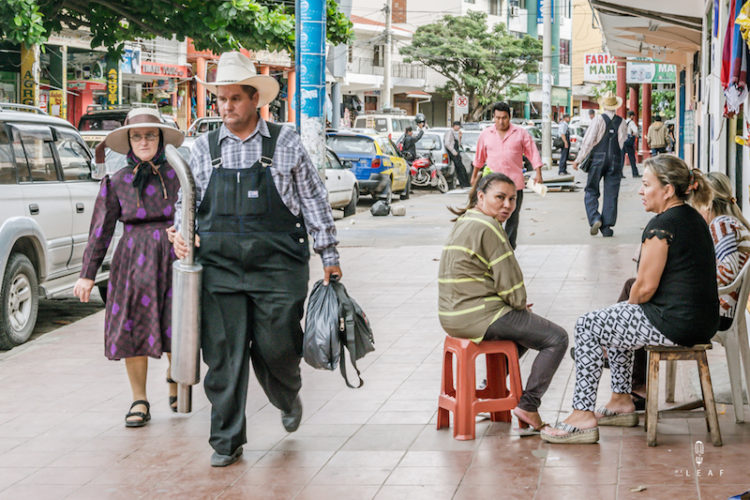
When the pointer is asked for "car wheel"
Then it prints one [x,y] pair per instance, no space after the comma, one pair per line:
[351,208]
[407,190]
[442,184]
[19,301]
[102,287]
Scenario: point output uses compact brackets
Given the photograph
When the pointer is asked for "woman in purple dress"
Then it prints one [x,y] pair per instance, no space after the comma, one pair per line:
[138,303]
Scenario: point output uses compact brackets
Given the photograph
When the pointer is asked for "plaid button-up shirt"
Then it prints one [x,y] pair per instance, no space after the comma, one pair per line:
[294,175]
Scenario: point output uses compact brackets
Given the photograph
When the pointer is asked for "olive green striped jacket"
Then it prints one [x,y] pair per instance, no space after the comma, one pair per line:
[479,279]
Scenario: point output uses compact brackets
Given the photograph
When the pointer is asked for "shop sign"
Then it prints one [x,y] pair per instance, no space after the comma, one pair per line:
[131,61]
[688,128]
[113,84]
[599,68]
[29,71]
[56,105]
[168,70]
[43,98]
[651,72]
[86,84]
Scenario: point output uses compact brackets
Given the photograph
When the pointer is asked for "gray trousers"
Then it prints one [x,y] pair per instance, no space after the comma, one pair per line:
[531,331]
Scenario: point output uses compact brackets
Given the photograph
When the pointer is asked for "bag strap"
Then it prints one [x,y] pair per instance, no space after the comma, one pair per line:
[214,147]
[347,332]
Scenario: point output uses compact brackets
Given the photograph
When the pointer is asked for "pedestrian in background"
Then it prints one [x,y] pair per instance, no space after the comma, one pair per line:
[592,115]
[482,295]
[502,149]
[564,132]
[604,140]
[452,140]
[142,195]
[257,196]
[657,137]
[671,141]
[628,148]
[409,144]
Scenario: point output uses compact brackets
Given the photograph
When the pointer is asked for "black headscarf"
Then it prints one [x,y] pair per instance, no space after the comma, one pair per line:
[143,170]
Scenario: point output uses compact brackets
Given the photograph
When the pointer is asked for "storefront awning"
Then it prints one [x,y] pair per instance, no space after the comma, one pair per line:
[652,29]
[418,94]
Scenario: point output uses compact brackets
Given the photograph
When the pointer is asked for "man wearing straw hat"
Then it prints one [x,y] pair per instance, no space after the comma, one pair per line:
[257,197]
[604,140]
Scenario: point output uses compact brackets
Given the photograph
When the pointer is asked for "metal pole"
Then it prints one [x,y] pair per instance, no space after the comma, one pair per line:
[386,97]
[547,84]
[186,290]
[336,101]
[311,58]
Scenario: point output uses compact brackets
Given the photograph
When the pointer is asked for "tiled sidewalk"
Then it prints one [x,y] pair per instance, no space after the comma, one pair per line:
[62,407]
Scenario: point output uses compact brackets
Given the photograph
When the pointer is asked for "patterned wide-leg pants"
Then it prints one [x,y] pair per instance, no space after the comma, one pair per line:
[621,329]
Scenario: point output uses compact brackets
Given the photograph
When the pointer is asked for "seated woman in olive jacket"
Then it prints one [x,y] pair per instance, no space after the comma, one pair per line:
[482,294]
[674,301]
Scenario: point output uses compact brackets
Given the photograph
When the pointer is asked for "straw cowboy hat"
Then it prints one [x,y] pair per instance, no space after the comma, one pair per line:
[236,69]
[610,101]
[117,140]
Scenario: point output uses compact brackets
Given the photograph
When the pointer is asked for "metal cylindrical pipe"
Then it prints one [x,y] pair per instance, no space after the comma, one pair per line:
[186,289]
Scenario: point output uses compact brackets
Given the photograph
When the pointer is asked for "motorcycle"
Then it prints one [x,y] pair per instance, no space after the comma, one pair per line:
[424,173]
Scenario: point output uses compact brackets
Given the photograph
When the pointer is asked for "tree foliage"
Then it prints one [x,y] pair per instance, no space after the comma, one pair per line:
[479,62]
[217,25]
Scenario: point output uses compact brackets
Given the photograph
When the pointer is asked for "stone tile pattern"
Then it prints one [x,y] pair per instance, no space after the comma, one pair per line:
[62,406]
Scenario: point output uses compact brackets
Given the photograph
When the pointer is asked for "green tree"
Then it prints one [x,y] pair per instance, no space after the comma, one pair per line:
[662,103]
[478,62]
[216,25]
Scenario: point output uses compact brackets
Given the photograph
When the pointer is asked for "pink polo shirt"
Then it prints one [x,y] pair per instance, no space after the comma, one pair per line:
[506,155]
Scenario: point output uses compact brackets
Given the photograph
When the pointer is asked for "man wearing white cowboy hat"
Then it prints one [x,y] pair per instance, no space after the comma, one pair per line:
[604,140]
[257,197]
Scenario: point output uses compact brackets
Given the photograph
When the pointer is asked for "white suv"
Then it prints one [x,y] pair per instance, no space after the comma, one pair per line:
[47,196]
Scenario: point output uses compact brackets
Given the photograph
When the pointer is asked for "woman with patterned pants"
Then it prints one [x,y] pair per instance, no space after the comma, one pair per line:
[674,301]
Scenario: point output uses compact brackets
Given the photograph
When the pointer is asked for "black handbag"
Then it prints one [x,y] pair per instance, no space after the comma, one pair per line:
[586,164]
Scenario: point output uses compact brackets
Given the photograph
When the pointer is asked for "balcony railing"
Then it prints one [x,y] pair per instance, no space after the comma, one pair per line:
[367,66]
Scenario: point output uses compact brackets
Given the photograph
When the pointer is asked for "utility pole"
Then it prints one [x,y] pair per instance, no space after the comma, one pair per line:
[547,84]
[386,92]
[310,66]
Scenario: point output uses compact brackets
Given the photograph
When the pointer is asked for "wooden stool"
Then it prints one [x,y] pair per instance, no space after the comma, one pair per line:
[674,353]
[463,398]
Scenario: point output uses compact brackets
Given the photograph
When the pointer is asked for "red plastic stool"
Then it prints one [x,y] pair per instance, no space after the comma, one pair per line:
[463,399]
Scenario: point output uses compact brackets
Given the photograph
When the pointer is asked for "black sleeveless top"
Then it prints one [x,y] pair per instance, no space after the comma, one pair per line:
[685,307]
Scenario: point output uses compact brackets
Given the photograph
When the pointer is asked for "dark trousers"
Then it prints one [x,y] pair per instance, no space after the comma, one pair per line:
[562,166]
[238,327]
[640,360]
[612,175]
[511,225]
[629,149]
[658,151]
[461,174]
[530,331]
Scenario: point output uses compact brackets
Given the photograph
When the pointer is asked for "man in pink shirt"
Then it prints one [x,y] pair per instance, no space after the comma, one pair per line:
[502,148]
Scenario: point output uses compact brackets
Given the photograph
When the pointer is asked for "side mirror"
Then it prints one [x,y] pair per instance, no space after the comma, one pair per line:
[347,164]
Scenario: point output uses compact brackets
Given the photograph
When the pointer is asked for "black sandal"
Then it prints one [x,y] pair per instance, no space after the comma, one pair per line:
[172,399]
[144,417]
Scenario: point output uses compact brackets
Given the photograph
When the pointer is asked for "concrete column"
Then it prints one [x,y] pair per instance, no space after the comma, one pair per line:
[645,151]
[633,106]
[58,102]
[291,95]
[265,113]
[200,97]
[622,86]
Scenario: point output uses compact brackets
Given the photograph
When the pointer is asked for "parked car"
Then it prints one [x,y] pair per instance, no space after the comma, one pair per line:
[379,168]
[98,122]
[47,195]
[469,139]
[390,124]
[341,184]
[203,125]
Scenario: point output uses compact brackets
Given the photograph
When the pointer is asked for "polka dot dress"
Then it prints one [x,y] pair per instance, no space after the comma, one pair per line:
[139,294]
